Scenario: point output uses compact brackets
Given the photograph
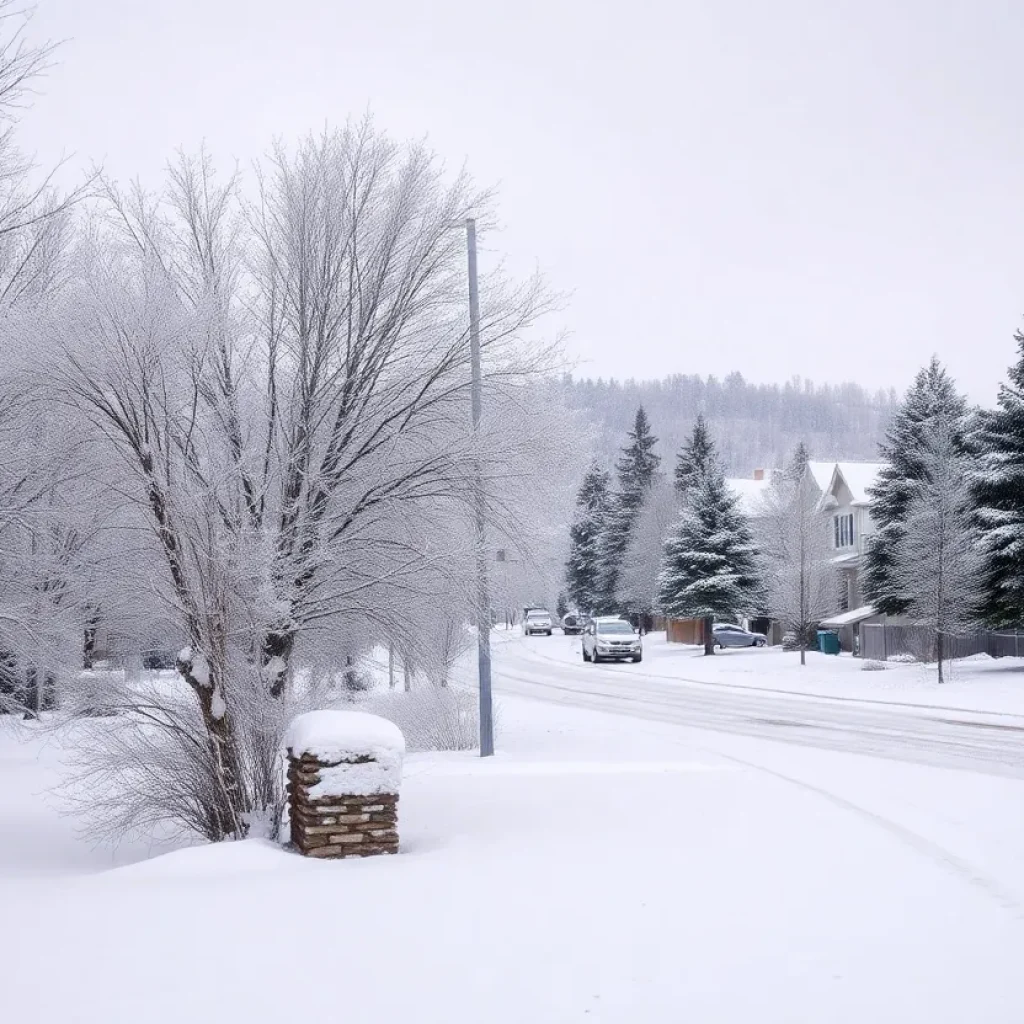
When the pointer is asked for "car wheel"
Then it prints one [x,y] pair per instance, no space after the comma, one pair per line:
[759,643]
[585,658]
[638,659]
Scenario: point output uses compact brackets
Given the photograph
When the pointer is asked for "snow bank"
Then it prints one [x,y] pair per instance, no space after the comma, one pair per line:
[362,753]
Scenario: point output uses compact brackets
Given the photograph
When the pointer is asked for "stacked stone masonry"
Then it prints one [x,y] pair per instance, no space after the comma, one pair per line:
[338,826]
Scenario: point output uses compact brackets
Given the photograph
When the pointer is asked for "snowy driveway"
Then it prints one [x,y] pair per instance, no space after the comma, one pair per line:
[552,670]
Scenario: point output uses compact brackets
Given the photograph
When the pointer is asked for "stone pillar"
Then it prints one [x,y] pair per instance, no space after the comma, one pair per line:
[344,771]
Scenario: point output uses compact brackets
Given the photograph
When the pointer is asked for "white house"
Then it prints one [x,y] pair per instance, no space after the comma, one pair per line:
[846,501]
[843,488]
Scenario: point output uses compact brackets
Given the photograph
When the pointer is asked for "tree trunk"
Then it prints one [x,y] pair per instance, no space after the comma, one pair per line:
[407,674]
[803,651]
[391,666]
[277,649]
[709,635]
[229,803]
[939,652]
[89,639]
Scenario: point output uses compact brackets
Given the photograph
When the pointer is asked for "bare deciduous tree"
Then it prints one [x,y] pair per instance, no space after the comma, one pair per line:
[286,384]
[939,565]
[792,537]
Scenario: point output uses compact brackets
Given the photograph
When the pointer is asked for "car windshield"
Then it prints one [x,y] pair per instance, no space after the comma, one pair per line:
[614,627]
[538,615]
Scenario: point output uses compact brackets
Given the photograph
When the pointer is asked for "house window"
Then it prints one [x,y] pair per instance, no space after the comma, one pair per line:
[843,527]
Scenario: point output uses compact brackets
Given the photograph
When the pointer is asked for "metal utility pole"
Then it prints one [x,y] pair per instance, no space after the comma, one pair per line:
[483,600]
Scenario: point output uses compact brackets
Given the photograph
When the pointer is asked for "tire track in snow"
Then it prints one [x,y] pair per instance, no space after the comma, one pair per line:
[963,869]
[648,708]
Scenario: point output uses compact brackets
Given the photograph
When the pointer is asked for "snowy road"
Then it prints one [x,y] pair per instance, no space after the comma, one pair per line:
[552,670]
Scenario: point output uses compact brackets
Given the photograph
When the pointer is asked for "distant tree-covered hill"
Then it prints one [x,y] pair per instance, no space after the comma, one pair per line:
[754,425]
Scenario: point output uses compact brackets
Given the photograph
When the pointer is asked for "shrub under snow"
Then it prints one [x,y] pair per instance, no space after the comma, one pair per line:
[873,666]
[434,718]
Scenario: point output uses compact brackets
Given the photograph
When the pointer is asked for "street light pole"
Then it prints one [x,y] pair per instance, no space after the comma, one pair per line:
[483,601]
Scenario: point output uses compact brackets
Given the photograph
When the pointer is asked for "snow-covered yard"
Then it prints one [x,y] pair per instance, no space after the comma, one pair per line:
[600,868]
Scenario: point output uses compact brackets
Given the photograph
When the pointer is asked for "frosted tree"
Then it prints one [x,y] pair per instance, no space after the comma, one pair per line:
[636,469]
[286,385]
[694,458]
[582,570]
[792,538]
[939,567]
[709,567]
[932,397]
[998,481]
[43,529]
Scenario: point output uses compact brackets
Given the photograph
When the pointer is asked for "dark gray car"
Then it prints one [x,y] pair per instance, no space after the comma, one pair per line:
[728,635]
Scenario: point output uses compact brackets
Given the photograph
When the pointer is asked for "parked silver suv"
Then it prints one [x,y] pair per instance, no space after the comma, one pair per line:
[611,640]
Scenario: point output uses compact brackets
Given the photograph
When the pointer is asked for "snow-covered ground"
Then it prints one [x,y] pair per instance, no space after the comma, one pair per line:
[603,867]
[978,683]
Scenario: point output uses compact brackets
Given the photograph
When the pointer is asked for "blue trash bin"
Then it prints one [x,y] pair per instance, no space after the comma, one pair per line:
[828,641]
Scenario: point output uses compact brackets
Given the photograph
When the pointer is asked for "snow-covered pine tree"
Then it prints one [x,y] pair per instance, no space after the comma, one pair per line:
[797,468]
[582,570]
[931,397]
[709,567]
[939,566]
[694,457]
[636,469]
[998,486]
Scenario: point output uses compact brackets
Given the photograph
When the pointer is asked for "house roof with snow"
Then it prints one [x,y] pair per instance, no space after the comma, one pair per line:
[749,491]
[821,473]
[859,478]
[851,617]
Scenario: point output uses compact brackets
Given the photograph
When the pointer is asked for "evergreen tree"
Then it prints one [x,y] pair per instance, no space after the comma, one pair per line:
[797,468]
[998,486]
[709,567]
[905,450]
[582,570]
[636,469]
[694,457]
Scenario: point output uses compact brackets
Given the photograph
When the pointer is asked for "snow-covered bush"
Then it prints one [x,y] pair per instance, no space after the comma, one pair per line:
[903,659]
[431,718]
[872,666]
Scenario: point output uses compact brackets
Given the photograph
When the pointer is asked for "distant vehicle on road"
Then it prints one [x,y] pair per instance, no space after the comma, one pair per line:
[537,621]
[611,639]
[573,624]
[728,635]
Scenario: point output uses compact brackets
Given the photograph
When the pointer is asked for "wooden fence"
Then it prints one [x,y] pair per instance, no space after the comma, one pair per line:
[879,642]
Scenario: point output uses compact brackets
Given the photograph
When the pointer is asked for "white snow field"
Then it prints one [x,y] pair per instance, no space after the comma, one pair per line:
[604,867]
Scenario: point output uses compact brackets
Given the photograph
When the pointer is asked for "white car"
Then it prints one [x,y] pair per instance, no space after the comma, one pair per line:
[611,640]
[537,622]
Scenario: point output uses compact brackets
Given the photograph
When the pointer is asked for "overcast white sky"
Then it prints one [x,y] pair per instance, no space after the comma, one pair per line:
[831,189]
